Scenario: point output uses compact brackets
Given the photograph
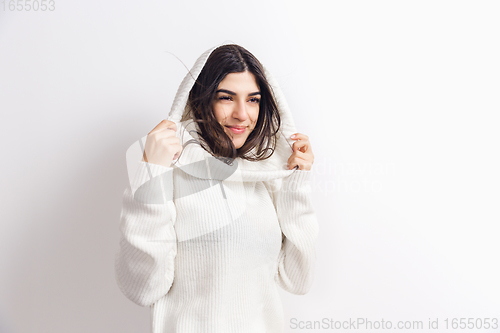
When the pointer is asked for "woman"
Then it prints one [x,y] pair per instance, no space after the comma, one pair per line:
[206,239]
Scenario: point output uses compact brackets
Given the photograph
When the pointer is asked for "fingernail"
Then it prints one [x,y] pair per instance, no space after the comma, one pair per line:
[293,136]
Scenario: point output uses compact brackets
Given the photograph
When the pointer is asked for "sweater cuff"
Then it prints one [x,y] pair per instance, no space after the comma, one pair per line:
[298,181]
[301,175]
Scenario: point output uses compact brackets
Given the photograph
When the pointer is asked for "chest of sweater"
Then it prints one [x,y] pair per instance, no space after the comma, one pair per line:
[220,213]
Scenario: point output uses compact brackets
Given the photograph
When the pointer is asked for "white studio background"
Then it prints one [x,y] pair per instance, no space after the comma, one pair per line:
[399,99]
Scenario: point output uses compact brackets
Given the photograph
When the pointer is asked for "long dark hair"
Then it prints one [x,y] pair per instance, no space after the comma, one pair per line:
[226,59]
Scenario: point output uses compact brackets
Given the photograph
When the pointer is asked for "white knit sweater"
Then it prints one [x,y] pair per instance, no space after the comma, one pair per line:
[205,244]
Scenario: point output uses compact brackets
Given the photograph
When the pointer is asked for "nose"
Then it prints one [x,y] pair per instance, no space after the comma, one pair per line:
[240,111]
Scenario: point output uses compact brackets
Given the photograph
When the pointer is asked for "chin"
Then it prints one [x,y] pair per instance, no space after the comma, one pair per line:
[238,144]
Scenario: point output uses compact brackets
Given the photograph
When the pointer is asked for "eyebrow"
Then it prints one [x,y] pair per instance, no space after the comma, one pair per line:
[233,93]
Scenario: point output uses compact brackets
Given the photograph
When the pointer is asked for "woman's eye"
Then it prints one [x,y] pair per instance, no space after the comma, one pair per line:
[229,98]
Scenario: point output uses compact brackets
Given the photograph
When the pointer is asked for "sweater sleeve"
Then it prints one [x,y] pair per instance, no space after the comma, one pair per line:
[144,264]
[299,226]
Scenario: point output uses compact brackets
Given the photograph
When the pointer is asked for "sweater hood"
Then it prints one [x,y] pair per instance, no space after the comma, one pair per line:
[198,162]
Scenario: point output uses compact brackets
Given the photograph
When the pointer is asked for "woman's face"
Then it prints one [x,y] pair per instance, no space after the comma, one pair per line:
[236,105]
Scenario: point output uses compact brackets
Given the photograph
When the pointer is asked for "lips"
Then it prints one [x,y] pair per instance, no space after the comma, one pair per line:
[237,129]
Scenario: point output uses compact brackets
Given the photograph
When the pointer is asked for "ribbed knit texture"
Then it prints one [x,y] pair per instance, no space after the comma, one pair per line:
[205,245]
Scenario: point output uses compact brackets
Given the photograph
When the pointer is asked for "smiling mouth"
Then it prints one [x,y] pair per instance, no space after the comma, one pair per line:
[237,130]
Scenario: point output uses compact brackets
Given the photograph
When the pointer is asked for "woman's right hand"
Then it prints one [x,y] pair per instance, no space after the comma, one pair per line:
[162,145]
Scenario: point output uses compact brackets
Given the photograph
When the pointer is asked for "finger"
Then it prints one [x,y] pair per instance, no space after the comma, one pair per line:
[301,145]
[165,132]
[305,156]
[299,136]
[306,159]
[296,164]
[164,124]
[168,140]
[295,160]
[301,164]
[177,154]
[298,155]
[178,149]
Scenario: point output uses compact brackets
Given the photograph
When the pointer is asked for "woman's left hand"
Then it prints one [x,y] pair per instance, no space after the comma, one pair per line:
[302,153]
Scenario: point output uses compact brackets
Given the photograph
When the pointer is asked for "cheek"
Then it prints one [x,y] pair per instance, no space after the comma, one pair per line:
[219,113]
[255,116]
